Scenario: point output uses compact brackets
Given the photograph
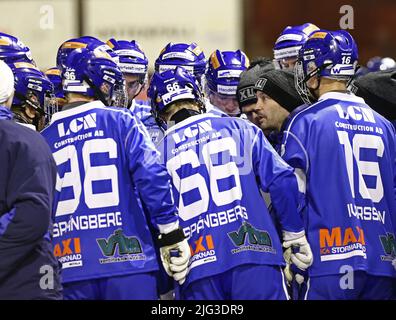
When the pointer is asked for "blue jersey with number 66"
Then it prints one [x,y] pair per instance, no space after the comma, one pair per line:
[219,165]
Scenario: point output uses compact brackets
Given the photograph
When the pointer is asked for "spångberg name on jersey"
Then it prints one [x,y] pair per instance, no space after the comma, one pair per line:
[88,222]
[212,220]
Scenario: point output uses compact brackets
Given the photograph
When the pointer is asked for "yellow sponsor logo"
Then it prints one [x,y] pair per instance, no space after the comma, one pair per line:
[102,54]
[4,42]
[214,60]
[25,65]
[55,72]
[73,45]
[197,51]
[318,35]
[311,28]
[162,51]
[110,44]
[247,61]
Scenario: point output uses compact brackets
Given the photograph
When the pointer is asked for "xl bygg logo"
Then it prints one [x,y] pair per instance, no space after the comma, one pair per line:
[68,253]
[202,251]
[337,243]
[258,240]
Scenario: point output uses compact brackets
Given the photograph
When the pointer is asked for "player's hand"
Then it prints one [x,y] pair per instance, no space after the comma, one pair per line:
[291,274]
[394,263]
[175,254]
[179,261]
[303,258]
[288,273]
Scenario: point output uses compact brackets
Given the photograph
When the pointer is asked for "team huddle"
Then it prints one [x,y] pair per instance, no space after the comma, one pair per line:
[270,179]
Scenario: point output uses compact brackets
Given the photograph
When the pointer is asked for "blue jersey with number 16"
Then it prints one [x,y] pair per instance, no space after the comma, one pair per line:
[346,151]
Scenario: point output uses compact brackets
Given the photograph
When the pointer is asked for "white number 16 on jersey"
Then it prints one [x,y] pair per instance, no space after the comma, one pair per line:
[369,168]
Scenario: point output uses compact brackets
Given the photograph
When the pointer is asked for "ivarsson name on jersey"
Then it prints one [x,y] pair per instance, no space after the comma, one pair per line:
[349,160]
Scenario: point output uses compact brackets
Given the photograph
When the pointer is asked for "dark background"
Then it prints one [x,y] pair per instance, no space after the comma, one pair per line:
[374,23]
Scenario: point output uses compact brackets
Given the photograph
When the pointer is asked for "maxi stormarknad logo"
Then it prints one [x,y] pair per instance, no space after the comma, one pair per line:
[257,240]
[129,248]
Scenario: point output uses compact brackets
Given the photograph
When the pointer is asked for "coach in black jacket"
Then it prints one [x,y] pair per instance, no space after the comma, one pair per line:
[28,268]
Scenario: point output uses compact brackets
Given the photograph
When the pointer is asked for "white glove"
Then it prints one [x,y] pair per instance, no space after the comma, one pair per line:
[175,257]
[394,263]
[290,275]
[302,259]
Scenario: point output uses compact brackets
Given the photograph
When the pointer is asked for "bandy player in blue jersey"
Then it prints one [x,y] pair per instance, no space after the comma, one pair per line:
[218,166]
[105,158]
[133,64]
[344,153]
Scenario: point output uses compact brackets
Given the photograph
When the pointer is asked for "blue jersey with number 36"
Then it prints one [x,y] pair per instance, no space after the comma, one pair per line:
[105,158]
[346,152]
[218,166]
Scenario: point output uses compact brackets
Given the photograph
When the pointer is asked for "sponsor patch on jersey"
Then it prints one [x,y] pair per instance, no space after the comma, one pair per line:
[202,251]
[340,243]
[68,252]
[248,238]
[120,248]
[78,124]
[388,243]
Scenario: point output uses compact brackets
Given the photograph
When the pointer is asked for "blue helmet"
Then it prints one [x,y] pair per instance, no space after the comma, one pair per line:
[132,59]
[12,49]
[85,42]
[188,56]
[376,64]
[55,76]
[94,74]
[290,42]
[224,70]
[33,88]
[331,54]
[171,86]
[380,64]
